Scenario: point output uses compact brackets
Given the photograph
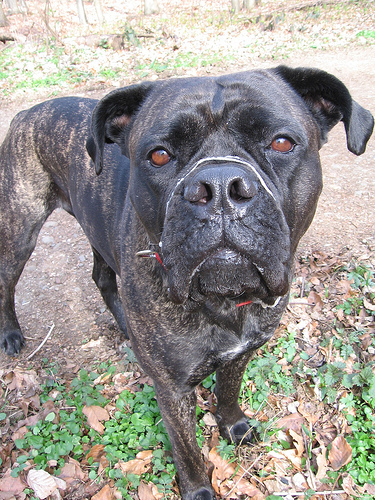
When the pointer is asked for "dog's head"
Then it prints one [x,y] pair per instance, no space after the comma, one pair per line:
[225,172]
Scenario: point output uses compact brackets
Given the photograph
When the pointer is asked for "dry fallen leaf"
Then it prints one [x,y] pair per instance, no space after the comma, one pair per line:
[340,453]
[292,421]
[368,305]
[227,483]
[104,494]
[138,465]
[96,452]
[315,300]
[145,492]
[11,485]
[94,415]
[72,471]
[322,462]
[298,442]
[21,380]
[43,483]
[20,433]
[244,487]
[350,488]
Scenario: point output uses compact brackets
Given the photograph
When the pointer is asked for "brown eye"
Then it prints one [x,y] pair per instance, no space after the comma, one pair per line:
[282,145]
[159,157]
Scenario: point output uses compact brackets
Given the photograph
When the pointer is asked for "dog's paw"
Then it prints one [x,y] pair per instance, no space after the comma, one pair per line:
[12,342]
[201,494]
[238,433]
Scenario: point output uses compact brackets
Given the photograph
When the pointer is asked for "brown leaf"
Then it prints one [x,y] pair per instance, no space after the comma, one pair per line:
[223,469]
[292,421]
[368,305]
[21,380]
[298,442]
[42,483]
[104,494]
[369,488]
[145,492]
[315,299]
[145,455]
[13,485]
[321,460]
[244,487]
[155,491]
[94,415]
[19,433]
[72,471]
[138,465]
[340,453]
[96,452]
[350,488]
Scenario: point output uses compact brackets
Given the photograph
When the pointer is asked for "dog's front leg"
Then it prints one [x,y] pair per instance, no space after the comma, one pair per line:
[233,423]
[179,416]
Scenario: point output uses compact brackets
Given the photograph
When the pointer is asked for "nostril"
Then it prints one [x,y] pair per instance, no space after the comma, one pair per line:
[208,194]
[241,190]
[198,193]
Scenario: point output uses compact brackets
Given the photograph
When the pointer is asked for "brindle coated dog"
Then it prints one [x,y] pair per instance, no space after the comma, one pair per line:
[217,178]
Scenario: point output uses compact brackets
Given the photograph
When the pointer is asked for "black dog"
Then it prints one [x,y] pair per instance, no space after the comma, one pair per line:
[214,179]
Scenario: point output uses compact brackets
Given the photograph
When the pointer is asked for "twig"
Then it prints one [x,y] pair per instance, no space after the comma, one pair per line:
[42,344]
[246,471]
[301,493]
[46,22]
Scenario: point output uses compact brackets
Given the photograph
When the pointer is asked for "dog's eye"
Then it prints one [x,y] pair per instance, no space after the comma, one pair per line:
[282,145]
[159,157]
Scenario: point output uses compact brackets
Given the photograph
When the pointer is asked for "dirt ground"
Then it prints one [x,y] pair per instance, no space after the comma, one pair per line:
[56,287]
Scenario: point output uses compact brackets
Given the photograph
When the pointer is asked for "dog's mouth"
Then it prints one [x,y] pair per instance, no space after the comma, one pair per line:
[226,274]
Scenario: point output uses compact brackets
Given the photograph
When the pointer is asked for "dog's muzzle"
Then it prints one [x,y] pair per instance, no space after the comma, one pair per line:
[227,187]
[223,227]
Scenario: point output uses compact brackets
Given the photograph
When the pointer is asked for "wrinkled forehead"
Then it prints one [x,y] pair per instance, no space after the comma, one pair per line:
[185,106]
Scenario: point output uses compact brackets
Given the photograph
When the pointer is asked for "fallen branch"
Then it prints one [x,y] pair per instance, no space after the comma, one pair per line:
[7,38]
[42,344]
[302,493]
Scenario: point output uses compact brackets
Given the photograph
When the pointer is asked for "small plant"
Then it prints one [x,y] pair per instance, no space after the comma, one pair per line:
[135,426]
[366,34]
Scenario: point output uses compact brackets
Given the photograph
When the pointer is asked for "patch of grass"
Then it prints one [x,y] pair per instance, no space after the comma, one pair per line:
[366,34]
[183,61]
[28,67]
[265,375]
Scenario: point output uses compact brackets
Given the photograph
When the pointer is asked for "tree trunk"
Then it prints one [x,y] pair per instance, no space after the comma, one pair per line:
[81,12]
[23,6]
[250,4]
[12,6]
[151,7]
[236,6]
[3,20]
[99,11]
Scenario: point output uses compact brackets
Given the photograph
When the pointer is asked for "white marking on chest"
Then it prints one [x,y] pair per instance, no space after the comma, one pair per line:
[238,349]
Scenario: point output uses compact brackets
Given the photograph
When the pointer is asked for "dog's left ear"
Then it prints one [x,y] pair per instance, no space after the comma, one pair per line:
[111,118]
[330,101]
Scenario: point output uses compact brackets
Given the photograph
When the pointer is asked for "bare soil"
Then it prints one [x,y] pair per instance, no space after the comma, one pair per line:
[56,289]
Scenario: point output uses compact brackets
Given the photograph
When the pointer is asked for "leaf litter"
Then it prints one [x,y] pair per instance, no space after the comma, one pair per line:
[304,434]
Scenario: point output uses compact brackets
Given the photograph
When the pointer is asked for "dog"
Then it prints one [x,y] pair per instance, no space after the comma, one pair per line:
[195,192]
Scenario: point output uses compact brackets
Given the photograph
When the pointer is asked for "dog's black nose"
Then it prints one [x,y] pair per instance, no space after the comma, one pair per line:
[221,188]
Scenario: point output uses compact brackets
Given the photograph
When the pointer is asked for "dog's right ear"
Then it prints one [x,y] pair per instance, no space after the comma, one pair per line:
[111,118]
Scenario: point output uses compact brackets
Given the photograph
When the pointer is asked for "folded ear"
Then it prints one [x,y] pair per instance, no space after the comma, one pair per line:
[330,101]
[111,118]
